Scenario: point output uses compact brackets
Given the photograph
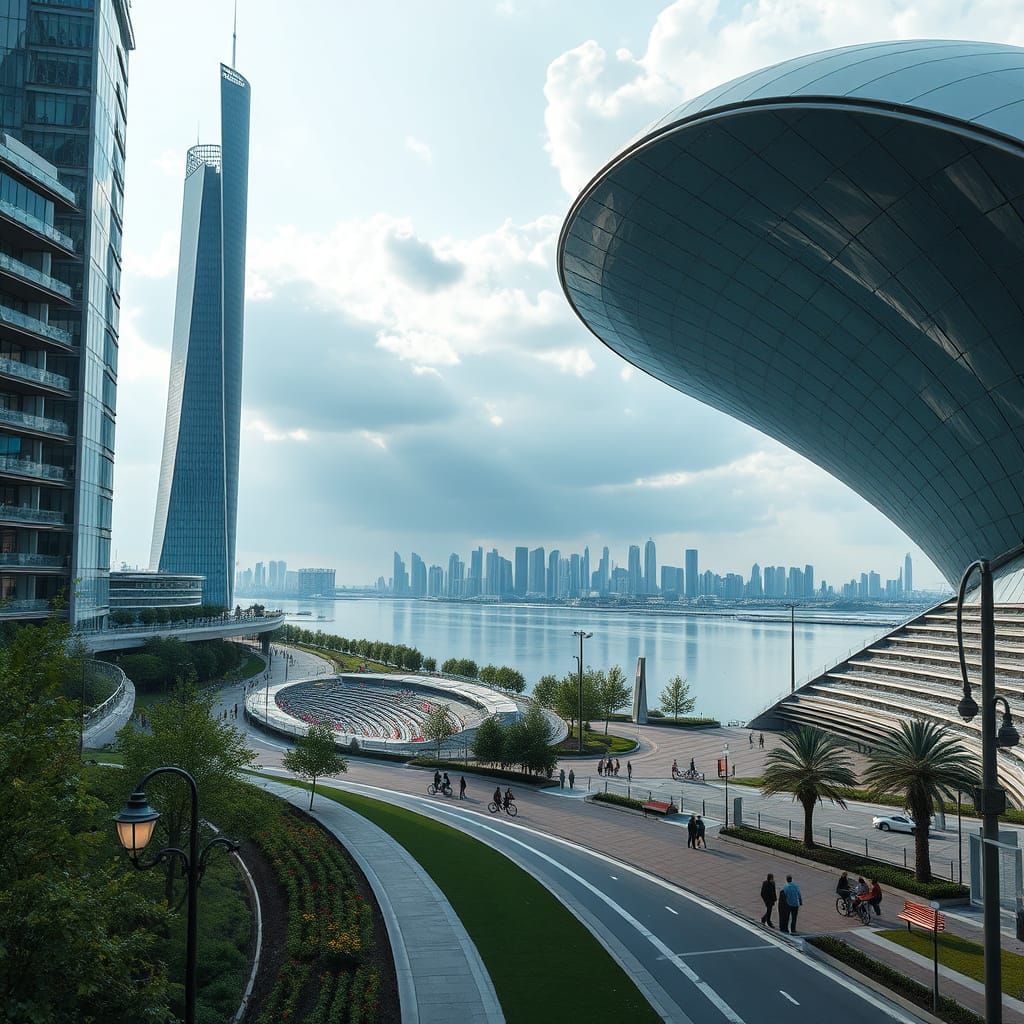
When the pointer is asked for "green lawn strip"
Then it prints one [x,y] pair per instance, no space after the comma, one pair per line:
[102,756]
[961,955]
[545,965]
[347,662]
[596,743]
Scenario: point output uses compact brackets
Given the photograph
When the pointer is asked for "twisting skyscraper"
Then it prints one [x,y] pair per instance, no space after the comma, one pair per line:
[197,501]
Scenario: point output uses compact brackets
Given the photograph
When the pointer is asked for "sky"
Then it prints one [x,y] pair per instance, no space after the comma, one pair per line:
[414,378]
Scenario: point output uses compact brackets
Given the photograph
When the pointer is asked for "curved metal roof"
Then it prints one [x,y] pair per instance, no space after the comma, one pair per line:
[832,250]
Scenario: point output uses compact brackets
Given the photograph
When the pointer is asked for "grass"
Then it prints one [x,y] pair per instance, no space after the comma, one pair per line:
[595,743]
[102,756]
[962,955]
[545,965]
[346,662]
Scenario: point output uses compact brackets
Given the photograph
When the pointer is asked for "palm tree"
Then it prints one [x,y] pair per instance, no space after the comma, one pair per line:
[812,766]
[919,762]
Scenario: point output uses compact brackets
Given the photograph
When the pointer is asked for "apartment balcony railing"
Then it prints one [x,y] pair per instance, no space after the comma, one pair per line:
[16,318]
[40,227]
[30,421]
[14,368]
[24,604]
[17,558]
[37,173]
[26,467]
[23,270]
[27,514]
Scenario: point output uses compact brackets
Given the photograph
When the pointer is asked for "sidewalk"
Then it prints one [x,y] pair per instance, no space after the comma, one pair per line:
[99,733]
[441,977]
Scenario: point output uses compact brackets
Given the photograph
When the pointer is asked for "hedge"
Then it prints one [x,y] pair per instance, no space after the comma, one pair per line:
[619,800]
[686,723]
[887,874]
[494,773]
[920,995]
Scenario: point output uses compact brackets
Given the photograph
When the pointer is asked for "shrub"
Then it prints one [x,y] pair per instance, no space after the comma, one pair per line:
[493,773]
[655,713]
[619,800]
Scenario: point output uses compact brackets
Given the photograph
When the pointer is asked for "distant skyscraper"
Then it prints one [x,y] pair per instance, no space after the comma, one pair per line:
[455,570]
[435,581]
[316,583]
[650,568]
[417,576]
[808,581]
[585,571]
[475,583]
[536,583]
[260,576]
[636,580]
[493,573]
[691,581]
[551,578]
[197,499]
[908,576]
[399,578]
[756,587]
[522,572]
[604,572]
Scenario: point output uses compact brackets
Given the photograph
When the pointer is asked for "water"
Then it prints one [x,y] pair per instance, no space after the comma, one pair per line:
[735,667]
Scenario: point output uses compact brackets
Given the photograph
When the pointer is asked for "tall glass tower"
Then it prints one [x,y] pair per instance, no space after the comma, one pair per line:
[63,95]
[197,500]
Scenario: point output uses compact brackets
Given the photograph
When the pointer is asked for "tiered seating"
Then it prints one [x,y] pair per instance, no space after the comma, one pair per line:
[914,672]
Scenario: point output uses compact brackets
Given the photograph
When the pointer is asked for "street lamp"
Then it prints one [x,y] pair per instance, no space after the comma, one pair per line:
[579,661]
[792,647]
[136,822]
[990,797]
[725,755]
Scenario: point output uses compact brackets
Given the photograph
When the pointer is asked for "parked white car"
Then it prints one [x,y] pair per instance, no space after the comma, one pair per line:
[894,823]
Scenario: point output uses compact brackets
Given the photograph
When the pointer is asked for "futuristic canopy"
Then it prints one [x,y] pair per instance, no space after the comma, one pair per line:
[832,250]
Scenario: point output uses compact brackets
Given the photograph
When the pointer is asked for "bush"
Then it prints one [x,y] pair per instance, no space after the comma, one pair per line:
[653,713]
[619,800]
[887,874]
[461,667]
[476,769]
[921,995]
[689,723]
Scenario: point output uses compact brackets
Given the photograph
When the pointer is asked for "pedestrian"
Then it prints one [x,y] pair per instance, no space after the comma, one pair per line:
[561,778]
[783,910]
[629,770]
[751,741]
[795,901]
[769,899]
[600,766]
[691,833]
[874,898]
[760,740]
[616,767]
[701,829]
[462,787]
[572,778]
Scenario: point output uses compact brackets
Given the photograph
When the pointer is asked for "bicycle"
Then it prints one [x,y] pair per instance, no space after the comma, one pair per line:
[852,907]
[687,776]
[511,810]
[434,790]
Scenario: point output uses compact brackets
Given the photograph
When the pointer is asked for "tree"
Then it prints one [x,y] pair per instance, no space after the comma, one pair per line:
[509,679]
[76,933]
[535,752]
[184,733]
[544,691]
[315,755]
[438,725]
[488,741]
[566,697]
[612,693]
[812,766]
[924,766]
[676,699]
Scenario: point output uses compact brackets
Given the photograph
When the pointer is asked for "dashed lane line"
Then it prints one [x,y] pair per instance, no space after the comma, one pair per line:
[789,997]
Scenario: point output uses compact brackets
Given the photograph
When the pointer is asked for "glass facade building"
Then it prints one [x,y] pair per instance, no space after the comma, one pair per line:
[63,95]
[197,500]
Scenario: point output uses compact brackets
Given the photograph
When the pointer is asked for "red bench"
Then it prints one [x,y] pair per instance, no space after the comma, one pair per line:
[922,916]
[659,807]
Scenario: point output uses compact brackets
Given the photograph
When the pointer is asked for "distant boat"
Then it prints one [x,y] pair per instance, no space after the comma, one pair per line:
[303,613]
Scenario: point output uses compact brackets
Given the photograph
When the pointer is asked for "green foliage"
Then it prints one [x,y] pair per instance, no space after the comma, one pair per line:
[488,742]
[613,692]
[438,725]
[164,661]
[924,765]
[921,995]
[812,766]
[314,755]
[76,936]
[460,667]
[454,765]
[619,800]
[504,678]
[676,699]
[527,743]
[887,874]
[390,656]
[544,691]
[595,743]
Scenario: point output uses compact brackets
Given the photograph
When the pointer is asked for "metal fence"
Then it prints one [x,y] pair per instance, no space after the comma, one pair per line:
[116,675]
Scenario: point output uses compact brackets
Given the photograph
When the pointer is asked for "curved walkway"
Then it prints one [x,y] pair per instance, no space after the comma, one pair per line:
[441,977]
[104,730]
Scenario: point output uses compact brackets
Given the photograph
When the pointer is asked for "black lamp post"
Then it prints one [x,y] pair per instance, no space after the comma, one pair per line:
[579,661]
[990,797]
[136,822]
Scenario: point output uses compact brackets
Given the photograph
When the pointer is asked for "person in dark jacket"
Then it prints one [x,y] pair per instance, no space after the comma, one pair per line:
[843,888]
[691,833]
[783,911]
[701,830]
[769,899]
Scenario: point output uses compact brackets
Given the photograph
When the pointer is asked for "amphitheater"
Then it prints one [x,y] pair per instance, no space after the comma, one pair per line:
[382,712]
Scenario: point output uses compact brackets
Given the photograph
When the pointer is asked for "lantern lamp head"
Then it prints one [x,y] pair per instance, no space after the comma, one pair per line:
[135,823]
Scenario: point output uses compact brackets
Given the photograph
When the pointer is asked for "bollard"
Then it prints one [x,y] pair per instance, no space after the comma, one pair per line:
[589,777]
[606,785]
[904,856]
[830,837]
[865,846]
[790,828]
[758,821]
[704,808]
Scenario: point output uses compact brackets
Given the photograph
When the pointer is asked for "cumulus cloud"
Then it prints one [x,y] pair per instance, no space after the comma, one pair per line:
[418,264]
[419,149]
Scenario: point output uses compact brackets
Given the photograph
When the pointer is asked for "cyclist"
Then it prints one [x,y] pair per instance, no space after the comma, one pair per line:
[508,799]
[497,797]
[693,767]
[675,768]
[437,779]
[843,890]
[446,782]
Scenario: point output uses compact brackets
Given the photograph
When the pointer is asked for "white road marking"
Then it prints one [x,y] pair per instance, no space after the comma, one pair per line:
[671,911]
[614,878]
[839,824]
[789,997]
[731,949]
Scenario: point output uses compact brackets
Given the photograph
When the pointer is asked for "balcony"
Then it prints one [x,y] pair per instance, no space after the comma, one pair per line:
[35,516]
[31,284]
[37,424]
[23,560]
[26,467]
[25,324]
[32,374]
[35,175]
[31,230]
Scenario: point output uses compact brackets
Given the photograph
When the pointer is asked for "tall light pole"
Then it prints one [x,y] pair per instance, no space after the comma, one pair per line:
[792,647]
[579,660]
[135,824]
[990,797]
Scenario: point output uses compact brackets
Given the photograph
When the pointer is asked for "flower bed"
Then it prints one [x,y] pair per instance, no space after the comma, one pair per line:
[329,932]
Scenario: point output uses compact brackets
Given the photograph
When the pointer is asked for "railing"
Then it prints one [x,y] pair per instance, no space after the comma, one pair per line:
[14,368]
[32,274]
[184,624]
[26,513]
[40,561]
[36,173]
[25,604]
[26,467]
[31,323]
[33,422]
[101,710]
[40,227]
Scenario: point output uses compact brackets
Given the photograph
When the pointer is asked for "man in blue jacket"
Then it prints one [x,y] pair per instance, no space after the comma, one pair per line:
[791,894]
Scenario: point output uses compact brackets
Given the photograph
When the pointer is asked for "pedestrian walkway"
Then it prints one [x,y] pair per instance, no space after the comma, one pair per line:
[104,730]
[441,977]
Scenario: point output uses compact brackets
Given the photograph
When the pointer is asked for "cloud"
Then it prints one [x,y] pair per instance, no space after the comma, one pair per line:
[417,263]
[419,149]
[576,361]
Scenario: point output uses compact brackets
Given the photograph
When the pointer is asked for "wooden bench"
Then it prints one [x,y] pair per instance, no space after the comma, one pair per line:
[922,916]
[659,807]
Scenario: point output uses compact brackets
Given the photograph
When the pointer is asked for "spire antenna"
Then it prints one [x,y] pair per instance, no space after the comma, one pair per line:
[234,35]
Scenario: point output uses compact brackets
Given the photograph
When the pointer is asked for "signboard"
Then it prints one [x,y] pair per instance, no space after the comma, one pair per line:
[723,767]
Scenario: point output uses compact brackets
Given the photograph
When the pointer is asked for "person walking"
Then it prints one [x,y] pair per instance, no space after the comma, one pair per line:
[751,741]
[783,910]
[616,767]
[572,778]
[769,898]
[691,833]
[600,766]
[701,829]
[561,778]
[629,770]
[462,787]
[795,901]
[760,740]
